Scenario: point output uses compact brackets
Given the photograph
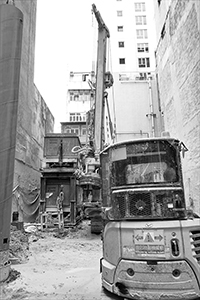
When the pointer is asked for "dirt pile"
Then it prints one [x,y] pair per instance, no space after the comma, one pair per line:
[19,246]
[20,240]
[82,230]
[61,264]
[13,275]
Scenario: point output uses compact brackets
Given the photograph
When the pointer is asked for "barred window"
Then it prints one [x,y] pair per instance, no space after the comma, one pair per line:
[144,62]
[77,117]
[140,6]
[122,61]
[141,33]
[70,129]
[141,20]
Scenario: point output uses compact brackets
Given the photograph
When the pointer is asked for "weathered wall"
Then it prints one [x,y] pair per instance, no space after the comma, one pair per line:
[178,67]
[34,120]
[29,155]
[11,28]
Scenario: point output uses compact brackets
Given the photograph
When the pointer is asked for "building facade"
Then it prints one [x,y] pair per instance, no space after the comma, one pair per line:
[80,99]
[76,127]
[132,35]
[133,99]
[178,72]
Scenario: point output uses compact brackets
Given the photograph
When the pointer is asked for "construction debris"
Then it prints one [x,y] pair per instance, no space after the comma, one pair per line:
[19,246]
[13,275]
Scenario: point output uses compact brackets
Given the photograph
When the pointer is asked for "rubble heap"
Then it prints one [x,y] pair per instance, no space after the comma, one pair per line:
[19,246]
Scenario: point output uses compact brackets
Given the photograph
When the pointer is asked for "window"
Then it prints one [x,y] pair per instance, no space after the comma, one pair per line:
[143,75]
[84,131]
[76,117]
[75,130]
[71,96]
[141,33]
[143,47]
[79,95]
[119,13]
[122,61]
[76,97]
[144,62]
[119,28]
[140,6]
[69,129]
[121,44]
[141,20]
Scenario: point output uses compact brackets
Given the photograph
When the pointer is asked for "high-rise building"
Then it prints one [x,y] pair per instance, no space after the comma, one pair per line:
[133,98]
[132,34]
[131,59]
[80,99]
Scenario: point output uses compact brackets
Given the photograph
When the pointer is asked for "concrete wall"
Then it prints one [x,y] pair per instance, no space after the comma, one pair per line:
[178,68]
[30,144]
[34,120]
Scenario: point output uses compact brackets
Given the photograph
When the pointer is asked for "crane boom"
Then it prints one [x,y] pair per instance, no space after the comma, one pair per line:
[103,34]
[88,173]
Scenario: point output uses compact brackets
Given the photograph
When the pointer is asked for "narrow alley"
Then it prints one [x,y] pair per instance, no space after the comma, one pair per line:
[58,267]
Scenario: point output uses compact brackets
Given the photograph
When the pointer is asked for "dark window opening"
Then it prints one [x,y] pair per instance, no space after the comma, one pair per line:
[121,44]
[5,240]
[122,61]
[15,216]
[144,62]
[119,28]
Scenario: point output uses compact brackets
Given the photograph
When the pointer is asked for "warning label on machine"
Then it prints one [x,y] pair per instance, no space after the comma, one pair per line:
[149,241]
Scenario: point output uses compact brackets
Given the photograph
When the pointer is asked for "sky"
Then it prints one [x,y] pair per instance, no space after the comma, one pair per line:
[65,38]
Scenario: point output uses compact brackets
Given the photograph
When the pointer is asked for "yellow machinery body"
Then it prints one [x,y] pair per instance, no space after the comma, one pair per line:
[139,261]
[151,242]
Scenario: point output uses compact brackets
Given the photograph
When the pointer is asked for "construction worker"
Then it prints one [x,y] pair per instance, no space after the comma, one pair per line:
[60,199]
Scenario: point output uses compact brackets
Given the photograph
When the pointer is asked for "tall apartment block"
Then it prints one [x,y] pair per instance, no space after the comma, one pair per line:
[132,35]
[130,58]
[134,96]
[80,99]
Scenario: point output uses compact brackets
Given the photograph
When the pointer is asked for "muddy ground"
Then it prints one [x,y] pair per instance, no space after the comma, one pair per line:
[55,266]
